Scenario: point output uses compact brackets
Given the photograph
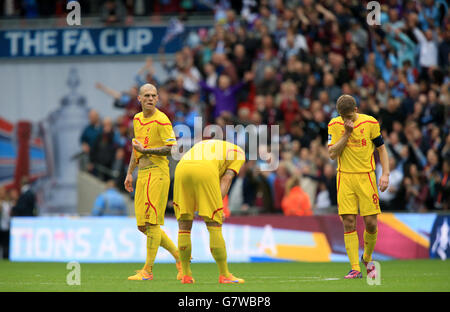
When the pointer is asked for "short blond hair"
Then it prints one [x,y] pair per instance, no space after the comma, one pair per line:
[345,104]
[146,86]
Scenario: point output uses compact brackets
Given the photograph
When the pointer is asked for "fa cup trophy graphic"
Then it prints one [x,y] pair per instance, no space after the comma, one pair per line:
[62,131]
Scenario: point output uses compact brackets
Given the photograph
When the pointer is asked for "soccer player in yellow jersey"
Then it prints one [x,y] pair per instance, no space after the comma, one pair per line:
[352,139]
[202,179]
[154,138]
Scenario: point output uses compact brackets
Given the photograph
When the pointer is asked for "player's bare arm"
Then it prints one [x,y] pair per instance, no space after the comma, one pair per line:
[384,160]
[129,178]
[160,151]
[225,182]
[335,150]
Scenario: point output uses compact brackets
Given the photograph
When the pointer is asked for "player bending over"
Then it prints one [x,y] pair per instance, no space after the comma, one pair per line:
[202,179]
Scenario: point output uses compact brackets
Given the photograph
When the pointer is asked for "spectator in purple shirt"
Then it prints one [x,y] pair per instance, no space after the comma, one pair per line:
[225,93]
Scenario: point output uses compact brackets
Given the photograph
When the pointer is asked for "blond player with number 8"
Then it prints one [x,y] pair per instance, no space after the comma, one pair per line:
[352,139]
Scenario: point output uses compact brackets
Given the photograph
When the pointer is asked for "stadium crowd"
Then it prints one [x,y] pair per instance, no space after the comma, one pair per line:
[285,63]
[111,11]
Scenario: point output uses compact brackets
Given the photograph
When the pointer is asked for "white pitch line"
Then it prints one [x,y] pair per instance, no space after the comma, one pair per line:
[304,278]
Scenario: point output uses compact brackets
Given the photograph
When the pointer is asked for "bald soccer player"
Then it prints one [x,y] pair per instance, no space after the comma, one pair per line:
[153,142]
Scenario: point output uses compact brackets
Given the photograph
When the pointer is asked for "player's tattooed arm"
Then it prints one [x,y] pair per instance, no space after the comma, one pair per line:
[129,178]
[161,151]
[165,150]
[133,164]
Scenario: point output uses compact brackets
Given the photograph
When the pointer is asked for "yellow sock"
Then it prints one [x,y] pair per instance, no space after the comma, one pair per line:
[185,249]
[352,247]
[153,242]
[218,249]
[370,239]
[167,244]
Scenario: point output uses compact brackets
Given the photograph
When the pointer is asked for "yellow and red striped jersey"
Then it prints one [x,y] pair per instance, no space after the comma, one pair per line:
[357,155]
[154,131]
[217,155]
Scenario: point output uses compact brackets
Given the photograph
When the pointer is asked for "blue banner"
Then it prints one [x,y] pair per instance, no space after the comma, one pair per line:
[117,239]
[278,238]
[440,238]
[87,41]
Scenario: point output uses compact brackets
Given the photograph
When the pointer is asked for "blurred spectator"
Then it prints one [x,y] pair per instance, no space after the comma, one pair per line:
[224,66]
[249,10]
[445,151]
[88,138]
[264,197]
[236,194]
[282,177]
[394,146]
[166,6]
[443,187]
[26,203]
[292,43]
[328,179]
[284,63]
[92,130]
[122,159]
[240,60]
[432,164]
[428,46]
[113,12]
[433,112]
[250,186]
[416,190]
[30,8]
[224,94]
[323,201]
[267,60]
[110,202]
[444,47]
[390,114]
[403,46]
[176,65]
[382,94]
[388,200]
[187,111]
[431,12]
[408,102]
[271,114]
[5,216]
[103,152]
[330,88]
[269,84]
[125,99]
[10,8]
[359,35]
[289,105]
[317,127]
[295,201]
[146,74]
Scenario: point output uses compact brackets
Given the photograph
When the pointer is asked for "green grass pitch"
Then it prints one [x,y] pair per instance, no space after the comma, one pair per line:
[398,276]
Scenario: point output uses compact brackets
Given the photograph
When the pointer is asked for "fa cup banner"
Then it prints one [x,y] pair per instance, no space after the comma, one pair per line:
[91,41]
